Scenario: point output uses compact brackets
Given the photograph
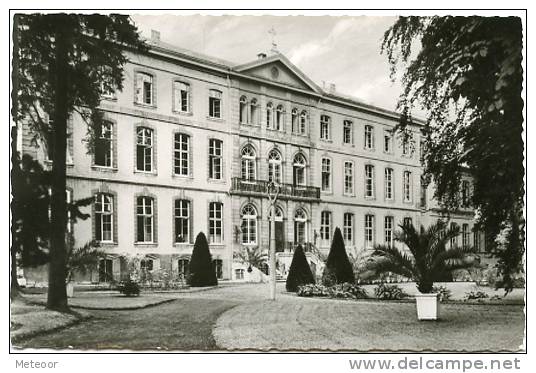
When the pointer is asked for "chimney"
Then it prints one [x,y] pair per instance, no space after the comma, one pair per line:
[261,55]
[155,35]
[332,88]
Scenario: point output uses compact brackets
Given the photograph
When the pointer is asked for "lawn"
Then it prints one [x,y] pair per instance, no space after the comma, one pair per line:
[184,324]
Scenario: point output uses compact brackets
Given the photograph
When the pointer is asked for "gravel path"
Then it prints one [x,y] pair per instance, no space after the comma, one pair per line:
[295,323]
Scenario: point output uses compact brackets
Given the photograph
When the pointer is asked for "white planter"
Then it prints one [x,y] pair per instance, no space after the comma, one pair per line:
[70,289]
[427,306]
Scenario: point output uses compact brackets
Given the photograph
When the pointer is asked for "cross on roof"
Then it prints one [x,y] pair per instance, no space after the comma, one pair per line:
[274,44]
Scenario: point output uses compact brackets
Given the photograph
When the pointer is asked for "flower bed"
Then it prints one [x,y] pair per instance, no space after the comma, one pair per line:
[345,290]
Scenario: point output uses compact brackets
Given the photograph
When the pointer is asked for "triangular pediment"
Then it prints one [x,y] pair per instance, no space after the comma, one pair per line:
[278,69]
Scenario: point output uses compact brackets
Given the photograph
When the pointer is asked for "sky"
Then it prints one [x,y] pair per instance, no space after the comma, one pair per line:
[343,50]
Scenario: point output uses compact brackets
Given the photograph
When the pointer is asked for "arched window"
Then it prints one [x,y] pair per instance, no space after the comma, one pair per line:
[300,226]
[243,109]
[279,118]
[278,214]
[253,106]
[294,118]
[299,169]
[249,225]
[274,166]
[248,163]
[269,115]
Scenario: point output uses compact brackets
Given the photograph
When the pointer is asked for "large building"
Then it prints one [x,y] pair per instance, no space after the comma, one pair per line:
[192,141]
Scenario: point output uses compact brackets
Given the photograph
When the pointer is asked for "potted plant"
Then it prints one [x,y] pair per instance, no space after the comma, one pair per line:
[81,260]
[426,260]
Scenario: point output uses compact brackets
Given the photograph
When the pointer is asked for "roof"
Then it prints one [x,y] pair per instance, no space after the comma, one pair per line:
[242,69]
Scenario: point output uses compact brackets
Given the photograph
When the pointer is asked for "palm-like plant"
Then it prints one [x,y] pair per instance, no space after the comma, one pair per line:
[82,259]
[252,256]
[429,259]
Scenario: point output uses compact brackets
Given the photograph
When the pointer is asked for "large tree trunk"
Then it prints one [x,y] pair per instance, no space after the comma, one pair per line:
[57,295]
[15,163]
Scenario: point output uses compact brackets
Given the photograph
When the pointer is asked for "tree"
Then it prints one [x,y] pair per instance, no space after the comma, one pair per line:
[299,272]
[29,210]
[429,260]
[465,73]
[338,268]
[201,271]
[64,63]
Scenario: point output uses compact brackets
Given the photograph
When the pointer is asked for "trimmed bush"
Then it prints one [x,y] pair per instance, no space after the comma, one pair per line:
[338,267]
[201,271]
[129,288]
[299,272]
[389,292]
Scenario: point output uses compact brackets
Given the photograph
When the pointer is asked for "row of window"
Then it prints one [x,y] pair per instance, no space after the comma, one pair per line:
[145,151]
[326,230]
[105,216]
[145,94]
[249,113]
[370,183]
[183,265]
[275,119]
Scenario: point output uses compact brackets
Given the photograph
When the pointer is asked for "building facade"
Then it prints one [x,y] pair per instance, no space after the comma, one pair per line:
[191,142]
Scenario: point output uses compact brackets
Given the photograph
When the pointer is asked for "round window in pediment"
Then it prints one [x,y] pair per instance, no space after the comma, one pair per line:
[275,72]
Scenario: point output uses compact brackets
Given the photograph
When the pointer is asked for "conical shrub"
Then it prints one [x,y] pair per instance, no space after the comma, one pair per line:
[299,272]
[201,271]
[338,268]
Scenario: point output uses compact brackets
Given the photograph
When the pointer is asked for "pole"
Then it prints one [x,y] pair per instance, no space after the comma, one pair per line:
[272,252]
[272,191]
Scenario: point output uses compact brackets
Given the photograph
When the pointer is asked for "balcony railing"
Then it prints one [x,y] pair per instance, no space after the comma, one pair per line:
[288,191]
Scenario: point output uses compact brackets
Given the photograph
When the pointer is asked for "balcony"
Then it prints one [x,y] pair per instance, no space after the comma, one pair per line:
[288,191]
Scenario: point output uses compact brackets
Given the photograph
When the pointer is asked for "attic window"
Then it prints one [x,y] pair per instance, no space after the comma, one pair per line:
[275,72]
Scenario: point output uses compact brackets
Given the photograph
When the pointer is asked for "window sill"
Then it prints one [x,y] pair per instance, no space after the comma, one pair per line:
[183,113]
[216,181]
[146,244]
[107,243]
[215,119]
[147,106]
[370,149]
[182,244]
[350,145]
[103,168]
[148,173]
[109,98]
[351,195]
[370,198]
[182,177]
[326,192]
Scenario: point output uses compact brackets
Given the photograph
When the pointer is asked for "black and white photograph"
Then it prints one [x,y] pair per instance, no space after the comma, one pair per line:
[275,181]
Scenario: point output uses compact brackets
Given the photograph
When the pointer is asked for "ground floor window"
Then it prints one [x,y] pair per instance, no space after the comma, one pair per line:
[218,268]
[239,274]
[183,266]
[105,270]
